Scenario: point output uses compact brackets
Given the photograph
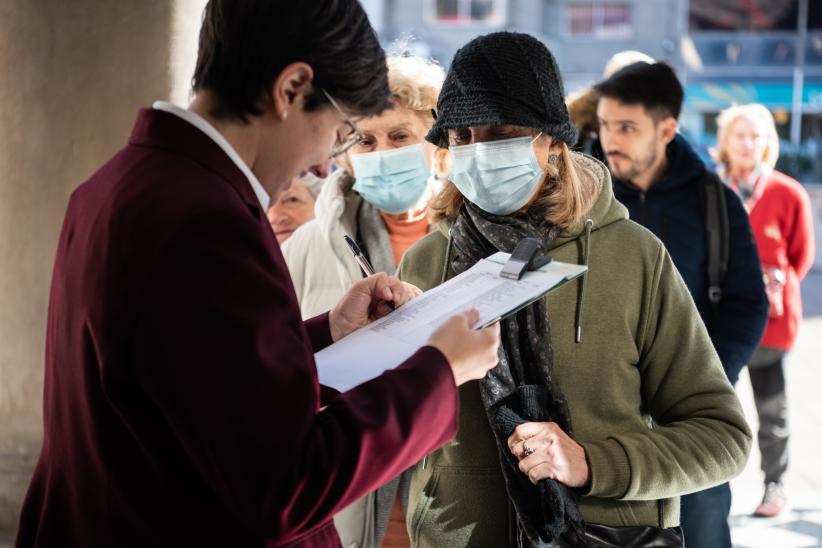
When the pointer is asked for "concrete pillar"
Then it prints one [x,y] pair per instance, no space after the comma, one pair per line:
[72,76]
[185,35]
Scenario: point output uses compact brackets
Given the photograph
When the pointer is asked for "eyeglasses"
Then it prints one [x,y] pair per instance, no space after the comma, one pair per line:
[343,146]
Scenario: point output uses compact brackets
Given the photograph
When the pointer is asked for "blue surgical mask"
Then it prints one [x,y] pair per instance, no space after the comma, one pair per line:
[498,176]
[392,181]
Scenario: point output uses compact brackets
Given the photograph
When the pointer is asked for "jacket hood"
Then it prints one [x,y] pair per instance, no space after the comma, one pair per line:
[606,210]
[334,207]
[684,165]
[335,213]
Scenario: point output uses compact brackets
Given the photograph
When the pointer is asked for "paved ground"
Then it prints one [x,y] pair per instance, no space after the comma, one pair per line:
[802,526]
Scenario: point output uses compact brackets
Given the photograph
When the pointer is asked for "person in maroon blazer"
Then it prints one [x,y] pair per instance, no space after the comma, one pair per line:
[181,399]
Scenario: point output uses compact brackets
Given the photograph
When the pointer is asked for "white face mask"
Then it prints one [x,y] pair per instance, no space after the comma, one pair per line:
[394,180]
[500,177]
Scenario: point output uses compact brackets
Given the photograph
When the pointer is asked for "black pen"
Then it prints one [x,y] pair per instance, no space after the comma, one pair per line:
[362,260]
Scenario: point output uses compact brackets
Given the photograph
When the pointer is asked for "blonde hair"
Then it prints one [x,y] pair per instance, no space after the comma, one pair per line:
[582,110]
[415,83]
[759,116]
[311,182]
[566,196]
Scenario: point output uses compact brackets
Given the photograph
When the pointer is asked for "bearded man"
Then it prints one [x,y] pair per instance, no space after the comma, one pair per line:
[663,183]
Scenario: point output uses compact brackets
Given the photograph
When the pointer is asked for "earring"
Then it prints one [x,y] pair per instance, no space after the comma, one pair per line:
[552,159]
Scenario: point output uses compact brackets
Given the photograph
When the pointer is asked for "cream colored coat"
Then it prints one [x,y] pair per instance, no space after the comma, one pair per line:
[321,265]
[322,269]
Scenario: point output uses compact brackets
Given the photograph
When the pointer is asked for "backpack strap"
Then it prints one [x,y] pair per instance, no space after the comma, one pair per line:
[715,210]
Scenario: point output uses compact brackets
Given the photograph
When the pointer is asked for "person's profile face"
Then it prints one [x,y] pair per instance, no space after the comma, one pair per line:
[631,138]
[304,142]
[746,144]
[290,210]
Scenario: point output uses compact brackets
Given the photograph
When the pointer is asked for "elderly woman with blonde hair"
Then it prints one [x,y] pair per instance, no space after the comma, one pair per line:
[378,197]
[782,224]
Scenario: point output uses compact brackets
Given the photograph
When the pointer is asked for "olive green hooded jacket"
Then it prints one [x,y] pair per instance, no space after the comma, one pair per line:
[647,396]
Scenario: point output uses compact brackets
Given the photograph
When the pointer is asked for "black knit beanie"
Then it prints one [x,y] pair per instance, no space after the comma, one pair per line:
[503,78]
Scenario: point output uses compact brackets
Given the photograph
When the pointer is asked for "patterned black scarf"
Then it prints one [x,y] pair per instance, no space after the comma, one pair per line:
[521,388]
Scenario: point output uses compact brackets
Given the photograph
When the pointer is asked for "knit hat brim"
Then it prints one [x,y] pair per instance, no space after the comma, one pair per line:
[490,110]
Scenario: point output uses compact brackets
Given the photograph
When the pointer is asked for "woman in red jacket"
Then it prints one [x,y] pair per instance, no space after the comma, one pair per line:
[780,214]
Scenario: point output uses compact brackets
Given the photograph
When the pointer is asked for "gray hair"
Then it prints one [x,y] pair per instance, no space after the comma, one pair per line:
[312,183]
[623,59]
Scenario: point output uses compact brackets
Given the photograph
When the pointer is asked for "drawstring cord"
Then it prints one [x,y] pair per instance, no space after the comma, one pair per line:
[581,295]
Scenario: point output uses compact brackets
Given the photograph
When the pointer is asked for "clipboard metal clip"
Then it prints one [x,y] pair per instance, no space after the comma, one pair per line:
[523,259]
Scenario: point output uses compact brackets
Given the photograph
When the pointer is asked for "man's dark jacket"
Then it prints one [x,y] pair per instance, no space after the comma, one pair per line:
[672,210]
[181,398]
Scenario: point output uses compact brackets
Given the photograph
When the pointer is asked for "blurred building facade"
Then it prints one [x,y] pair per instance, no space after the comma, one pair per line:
[726,51]
[762,51]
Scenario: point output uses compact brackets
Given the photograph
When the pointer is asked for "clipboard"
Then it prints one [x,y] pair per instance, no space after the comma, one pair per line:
[389,341]
[502,260]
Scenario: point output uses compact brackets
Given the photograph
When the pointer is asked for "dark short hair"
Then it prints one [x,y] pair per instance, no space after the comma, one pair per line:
[652,85]
[246,44]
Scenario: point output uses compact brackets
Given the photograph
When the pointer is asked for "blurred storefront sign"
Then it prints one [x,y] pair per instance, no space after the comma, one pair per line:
[718,95]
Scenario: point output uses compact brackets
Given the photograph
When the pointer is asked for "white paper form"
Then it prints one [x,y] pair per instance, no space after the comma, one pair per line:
[389,341]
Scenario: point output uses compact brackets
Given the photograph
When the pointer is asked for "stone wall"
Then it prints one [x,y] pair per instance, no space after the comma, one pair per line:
[72,76]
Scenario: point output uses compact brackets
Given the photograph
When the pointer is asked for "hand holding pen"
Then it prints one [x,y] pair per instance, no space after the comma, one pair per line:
[368,299]
[362,260]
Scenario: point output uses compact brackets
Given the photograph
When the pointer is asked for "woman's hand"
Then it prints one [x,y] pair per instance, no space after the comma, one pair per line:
[545,451]
[366,301]
[470,352]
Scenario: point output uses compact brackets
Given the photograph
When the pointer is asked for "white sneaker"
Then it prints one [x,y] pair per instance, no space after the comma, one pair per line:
[773,501]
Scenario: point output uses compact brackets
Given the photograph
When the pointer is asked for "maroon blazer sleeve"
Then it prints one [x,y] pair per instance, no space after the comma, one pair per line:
[319,332]
[223,355]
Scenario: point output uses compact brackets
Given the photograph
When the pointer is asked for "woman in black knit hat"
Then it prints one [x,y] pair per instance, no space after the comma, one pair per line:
[608,401]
